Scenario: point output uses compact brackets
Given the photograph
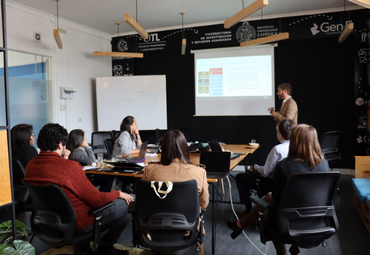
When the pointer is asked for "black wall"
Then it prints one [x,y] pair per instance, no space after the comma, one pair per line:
[321,72]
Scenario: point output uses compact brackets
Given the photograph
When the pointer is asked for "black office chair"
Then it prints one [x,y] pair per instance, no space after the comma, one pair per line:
[109,143]
[97,141]
[329,146]
[306,213]
[54,219]
[166,220]
[23,202]
[114,134]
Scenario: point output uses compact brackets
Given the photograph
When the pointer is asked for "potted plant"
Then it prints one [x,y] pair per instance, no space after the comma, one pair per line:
[16,247]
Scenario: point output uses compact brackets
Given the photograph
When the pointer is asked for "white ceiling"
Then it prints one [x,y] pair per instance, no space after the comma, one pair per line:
[154,14]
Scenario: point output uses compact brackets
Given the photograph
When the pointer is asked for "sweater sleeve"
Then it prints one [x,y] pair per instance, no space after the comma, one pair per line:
[84,157]
[85,190]
[203,194]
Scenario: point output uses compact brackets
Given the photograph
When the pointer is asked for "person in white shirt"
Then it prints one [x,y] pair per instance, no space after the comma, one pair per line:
[246,181]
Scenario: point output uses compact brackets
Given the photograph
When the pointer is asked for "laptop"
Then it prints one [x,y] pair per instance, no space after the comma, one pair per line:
[217,163]
[123,167]
[141,156]
[215,146]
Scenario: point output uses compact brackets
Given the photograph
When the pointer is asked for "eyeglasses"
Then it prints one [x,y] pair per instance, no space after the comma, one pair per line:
[33,134]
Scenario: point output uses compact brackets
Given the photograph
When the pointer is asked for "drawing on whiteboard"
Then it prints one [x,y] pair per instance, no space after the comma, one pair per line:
[148,109]
[141,96]
[128,100]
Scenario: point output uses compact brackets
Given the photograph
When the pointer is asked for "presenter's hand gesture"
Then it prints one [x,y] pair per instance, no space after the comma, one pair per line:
[127,197]
[273,113]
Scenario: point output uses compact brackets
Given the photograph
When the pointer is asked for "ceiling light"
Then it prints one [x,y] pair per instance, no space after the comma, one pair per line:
[57,38]
[346,32]
[267,39]
[249,10]
[56,35]
[135,26]
[118,54]
[183,44]
[364,3]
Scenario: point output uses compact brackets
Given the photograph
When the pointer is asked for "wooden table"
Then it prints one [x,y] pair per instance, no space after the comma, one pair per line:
[194,158]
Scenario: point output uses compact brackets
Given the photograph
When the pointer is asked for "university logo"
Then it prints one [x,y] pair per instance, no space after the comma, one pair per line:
[122,45]
[245,33]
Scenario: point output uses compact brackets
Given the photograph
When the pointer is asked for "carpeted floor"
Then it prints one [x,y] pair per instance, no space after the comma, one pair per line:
[68,249]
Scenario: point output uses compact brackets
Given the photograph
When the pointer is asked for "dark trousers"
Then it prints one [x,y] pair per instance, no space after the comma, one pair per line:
[117,213]
[247,181]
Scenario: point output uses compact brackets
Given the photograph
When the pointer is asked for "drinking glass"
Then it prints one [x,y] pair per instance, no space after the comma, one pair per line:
[253,141]
[100,157]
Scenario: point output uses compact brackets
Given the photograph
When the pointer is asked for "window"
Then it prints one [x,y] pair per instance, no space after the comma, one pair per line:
[30,98]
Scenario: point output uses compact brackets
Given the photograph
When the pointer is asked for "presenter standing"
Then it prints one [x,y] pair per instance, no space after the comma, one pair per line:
[289,108]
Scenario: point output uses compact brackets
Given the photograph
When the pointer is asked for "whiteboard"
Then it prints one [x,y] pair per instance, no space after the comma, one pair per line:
[143,97]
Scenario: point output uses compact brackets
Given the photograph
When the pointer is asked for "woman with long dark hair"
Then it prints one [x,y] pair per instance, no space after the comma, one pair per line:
[175,165]
[79,148]
[83,153]
[22,141]
[304,156]
[128,139]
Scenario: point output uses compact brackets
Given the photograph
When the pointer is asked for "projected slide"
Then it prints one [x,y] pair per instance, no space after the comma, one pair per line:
[236,76]
[235,81]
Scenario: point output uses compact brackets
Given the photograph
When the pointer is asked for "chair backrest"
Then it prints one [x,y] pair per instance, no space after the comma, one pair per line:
[54,216]
[306,212]
[330,141]
[97,141]
[18,171]
[21,193]
[109,143]
[114,134]
[168,219]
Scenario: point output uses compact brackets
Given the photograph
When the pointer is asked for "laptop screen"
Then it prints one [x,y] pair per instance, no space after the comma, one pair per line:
[215,161]
[214,145]
[143,150]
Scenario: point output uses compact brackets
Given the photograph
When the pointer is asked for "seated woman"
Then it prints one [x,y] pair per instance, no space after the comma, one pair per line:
[82,153]
[22,140]
[175,166]
[80,150]
[128,139]
[304,156]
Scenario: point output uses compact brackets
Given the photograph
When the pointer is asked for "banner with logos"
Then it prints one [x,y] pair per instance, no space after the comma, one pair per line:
[216,36]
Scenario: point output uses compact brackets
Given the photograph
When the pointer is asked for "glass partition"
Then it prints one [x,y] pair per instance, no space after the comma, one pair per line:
[30,86]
